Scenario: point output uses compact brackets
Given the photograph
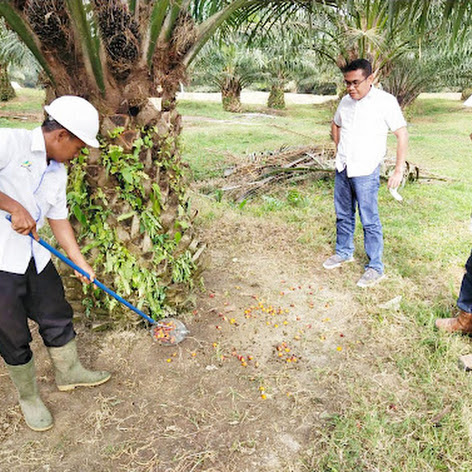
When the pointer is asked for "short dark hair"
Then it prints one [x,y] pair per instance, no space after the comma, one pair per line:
[357,64]
[50,124]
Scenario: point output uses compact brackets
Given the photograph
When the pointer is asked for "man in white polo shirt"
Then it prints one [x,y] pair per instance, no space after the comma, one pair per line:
[359,128]
[32,189]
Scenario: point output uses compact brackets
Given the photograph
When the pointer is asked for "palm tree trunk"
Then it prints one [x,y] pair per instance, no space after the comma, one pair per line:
[6,90]
[130,206]
[276,98]
[466,93]
[231,95]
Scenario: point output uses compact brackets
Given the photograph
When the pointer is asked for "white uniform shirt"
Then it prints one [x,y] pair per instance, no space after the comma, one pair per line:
[26,177]
[364,127]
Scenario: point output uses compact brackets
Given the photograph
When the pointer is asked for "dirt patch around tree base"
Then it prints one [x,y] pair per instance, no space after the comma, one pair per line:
[257,380]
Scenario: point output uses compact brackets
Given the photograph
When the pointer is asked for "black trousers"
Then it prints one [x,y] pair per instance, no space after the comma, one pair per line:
[39,297]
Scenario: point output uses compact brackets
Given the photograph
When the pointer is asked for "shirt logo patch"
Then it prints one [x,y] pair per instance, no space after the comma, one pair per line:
[26,165]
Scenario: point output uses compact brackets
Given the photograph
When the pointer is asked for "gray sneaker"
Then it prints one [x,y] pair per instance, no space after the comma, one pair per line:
[370,277]
[336,261]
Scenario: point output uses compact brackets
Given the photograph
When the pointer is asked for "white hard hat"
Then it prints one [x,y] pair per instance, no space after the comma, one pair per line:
[78,116]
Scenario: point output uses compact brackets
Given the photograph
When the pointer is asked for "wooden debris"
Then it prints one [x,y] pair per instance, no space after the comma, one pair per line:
[260,171]
[436,420]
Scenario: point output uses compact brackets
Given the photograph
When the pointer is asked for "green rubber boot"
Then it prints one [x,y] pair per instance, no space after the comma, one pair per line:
[69,371]
[36,414]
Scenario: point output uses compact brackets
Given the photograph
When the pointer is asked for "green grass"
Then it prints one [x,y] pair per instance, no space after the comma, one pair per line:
[12,113]
[410,374]
[439,137]
[9,123]
[392,429]
[211,135]
[27,100]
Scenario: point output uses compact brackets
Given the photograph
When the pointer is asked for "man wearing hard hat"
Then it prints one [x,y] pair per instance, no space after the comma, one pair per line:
[32,189]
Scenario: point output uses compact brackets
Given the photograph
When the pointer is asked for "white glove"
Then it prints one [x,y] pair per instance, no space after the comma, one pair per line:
[395,194]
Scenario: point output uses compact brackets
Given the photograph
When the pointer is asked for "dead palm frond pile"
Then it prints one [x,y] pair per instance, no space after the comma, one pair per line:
[259,172]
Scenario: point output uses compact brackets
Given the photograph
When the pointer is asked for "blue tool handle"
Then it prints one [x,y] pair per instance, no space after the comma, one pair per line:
[96,282]
[86,274]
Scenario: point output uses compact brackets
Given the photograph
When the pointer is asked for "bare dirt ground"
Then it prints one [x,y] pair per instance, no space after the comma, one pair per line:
[21,116]
[260,98]
[251,389]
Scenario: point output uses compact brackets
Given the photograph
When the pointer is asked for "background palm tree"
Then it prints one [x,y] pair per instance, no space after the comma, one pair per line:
[13,53]
[286,56]
[410,76]
[6,90]
[408,43]
[364,29]
[229,65]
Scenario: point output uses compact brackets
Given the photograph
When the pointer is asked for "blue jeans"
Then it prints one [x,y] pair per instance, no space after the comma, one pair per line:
[464,302]
[364,191]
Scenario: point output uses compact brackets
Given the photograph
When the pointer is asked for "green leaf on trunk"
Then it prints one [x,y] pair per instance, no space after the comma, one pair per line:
[127,175]
[80,216]
[126,216]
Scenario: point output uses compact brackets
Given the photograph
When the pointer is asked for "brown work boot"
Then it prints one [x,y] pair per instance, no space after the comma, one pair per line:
[462,324]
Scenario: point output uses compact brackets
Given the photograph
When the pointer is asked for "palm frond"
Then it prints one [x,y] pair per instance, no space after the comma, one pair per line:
[177,7]
[132,5]
[26,34]
[362,28]
[410,77]
[210,25]
[12,50]
[231,60]
[158,14]
[87,30]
